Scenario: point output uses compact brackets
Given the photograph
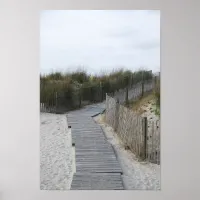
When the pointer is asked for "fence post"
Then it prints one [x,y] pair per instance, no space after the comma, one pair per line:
[116,115]
[132,80]
[91,95]
[102,94]
[155,82]
[101,89]
[145,137]
[106,107]
[126,98]
[80,97]
[56,101]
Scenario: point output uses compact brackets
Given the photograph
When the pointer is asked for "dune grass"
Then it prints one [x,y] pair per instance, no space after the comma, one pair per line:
[153,98]
[80,82]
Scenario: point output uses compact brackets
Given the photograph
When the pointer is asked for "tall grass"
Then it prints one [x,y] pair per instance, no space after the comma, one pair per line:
[88,86]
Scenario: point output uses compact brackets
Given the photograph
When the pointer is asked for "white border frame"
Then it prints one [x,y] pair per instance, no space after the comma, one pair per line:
[19,102]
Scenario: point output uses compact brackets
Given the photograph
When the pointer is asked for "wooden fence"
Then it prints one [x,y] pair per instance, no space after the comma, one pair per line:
[61,102]
[137,133]
[133,92]
[44,107]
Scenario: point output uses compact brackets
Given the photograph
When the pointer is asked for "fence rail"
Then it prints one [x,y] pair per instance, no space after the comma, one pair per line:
[141,136]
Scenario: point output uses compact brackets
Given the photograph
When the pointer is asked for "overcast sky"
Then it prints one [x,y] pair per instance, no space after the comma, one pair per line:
[99,40]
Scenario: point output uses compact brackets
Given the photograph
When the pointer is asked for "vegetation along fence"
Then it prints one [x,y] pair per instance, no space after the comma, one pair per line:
[137,133]
[59,101]
[60,93]
[133,92]
[63,101]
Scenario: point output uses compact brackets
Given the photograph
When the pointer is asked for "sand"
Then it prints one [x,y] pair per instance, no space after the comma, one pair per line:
[56,153]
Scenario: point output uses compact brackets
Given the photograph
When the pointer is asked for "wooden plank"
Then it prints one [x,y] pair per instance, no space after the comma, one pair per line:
[97,181]
[99,170]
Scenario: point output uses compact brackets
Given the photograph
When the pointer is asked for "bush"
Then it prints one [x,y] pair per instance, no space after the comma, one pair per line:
[80,76]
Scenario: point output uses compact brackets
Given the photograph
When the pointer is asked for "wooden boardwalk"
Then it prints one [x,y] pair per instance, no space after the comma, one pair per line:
[97,167]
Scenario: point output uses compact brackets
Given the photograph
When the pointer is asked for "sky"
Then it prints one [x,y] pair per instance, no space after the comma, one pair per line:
[99,40]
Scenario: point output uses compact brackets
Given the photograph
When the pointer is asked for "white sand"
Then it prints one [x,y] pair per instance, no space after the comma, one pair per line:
[136,175]
[56,153]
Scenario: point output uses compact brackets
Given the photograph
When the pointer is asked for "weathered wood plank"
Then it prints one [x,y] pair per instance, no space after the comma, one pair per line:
[97,181]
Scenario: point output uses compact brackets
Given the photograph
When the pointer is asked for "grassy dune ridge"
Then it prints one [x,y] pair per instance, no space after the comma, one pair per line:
[81,84]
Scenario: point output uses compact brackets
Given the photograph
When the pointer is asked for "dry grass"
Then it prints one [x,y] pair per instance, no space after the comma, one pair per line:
[138,106]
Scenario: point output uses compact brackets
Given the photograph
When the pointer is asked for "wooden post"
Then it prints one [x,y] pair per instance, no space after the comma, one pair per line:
[102,94]
[106,107]
[126,97]
[132,80]
[80,97]
[145,137]
[116,115]
[155,82]
[101,89]
[91,95]
[56,101]
[152,143]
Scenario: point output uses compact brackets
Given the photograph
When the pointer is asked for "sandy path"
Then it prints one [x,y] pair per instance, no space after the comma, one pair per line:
[136,175]
[56,153]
